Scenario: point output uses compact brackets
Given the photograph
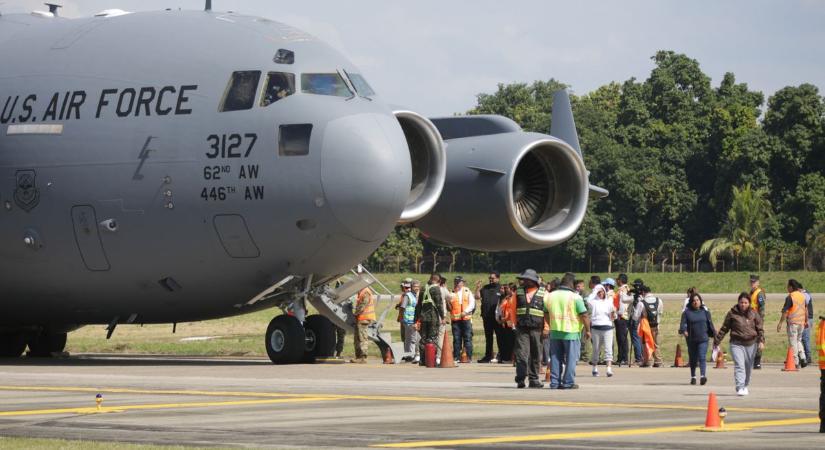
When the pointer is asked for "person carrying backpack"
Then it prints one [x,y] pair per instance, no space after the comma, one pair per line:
[650,307]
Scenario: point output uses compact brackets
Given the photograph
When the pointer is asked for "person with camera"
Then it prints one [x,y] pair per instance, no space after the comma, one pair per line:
[650,307]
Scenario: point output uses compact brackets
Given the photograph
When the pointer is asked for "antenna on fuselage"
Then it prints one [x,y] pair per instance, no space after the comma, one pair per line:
[208,6]
[53,7]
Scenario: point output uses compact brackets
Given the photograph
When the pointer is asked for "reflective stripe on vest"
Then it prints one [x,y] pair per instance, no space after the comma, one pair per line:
[428,299]
[368,311]
[459,303]
[563,315]
[409,311]
[755,299]
[797,312]
[821,344]
[527,309]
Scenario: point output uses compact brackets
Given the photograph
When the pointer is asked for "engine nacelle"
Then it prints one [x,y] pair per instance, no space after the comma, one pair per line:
[429,164]
[507,191]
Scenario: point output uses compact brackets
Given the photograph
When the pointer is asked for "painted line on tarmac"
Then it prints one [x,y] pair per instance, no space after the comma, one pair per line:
[122,408]
[593,434]
[391,398]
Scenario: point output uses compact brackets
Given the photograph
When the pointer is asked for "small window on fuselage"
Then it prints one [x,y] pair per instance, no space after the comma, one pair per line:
[293,140]
[278,85]
[240,91]
[325,84]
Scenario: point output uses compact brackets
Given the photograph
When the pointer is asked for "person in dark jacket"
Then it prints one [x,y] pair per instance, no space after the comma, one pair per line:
[696,326]
[746,335]
[490,296]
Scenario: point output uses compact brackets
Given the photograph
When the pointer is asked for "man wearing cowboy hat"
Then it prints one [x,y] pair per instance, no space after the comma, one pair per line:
[529,304]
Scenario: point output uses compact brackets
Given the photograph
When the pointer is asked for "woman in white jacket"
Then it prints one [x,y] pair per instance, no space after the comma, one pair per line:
[601,327]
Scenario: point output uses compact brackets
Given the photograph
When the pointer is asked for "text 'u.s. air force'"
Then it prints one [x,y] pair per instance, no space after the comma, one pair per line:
[119,103]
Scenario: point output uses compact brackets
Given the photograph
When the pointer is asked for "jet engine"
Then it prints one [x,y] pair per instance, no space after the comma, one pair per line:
[506,190]
[429,164]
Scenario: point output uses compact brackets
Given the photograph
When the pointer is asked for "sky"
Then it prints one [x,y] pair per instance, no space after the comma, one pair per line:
[436,56]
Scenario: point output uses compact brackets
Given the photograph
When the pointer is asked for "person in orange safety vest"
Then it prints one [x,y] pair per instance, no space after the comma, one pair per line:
[462,305]
[364,316]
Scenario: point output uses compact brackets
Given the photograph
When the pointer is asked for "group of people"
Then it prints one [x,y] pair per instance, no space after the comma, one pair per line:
[556,324]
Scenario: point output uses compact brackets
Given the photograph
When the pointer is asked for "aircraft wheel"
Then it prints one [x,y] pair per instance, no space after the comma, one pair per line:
[320,338]
[44,344]
[285,340]
[12,345]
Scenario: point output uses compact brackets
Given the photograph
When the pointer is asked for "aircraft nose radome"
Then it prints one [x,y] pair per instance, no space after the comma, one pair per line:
[366,173]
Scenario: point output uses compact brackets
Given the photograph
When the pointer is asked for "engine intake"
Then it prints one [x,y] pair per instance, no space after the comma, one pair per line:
[429,165]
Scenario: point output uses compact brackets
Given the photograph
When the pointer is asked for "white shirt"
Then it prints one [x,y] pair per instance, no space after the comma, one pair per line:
[471,305]
[602,313]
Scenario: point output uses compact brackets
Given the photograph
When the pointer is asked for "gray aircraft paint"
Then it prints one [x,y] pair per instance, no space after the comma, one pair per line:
[129,198]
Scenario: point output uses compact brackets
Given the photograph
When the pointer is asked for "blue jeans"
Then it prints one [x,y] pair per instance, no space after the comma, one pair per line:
[635,341]
[462,334]
[806,341]
[697,354]
[566,352]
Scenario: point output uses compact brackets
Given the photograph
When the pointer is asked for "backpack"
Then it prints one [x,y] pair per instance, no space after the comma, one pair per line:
[651,312]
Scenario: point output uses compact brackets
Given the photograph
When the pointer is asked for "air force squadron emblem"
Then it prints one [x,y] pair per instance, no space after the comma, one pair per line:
[26,194]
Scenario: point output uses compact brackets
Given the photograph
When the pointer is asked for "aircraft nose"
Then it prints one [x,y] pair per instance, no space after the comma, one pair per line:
[365,173]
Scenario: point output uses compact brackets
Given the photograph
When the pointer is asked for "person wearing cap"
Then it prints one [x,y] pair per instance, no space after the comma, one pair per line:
[633,323]
[650,307]
[406,285]
[407,310]
[564,310]
[429,314]
[529,304]
[490,296]
[365,316]
[623,299]
[462,305]
[758,298]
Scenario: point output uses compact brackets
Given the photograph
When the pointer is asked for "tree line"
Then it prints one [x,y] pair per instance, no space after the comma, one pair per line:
[689,166]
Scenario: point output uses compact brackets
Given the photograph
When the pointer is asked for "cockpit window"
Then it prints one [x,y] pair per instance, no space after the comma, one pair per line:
[324,84]
[360,84]
[240,91]
[278,85]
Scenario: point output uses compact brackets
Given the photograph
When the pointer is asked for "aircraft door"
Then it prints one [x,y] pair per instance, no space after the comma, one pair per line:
[87,236]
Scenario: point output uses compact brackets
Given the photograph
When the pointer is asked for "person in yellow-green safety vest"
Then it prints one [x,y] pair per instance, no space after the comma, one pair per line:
[528,304]
[568,319]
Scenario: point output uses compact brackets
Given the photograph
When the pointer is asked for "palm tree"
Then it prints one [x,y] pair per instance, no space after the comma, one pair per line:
[747,220]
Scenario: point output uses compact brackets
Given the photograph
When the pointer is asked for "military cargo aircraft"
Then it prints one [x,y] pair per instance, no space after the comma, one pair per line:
[173,166]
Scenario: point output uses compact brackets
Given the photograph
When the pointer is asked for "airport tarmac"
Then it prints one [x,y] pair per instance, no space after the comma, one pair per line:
[252,403]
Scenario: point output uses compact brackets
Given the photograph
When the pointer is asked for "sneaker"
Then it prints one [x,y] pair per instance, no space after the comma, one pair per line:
[457,361]
[520,384]
[484,360]
[703,381]
[416,359]
[803,363]
[493,361]
[595,373]
[746,391]
[536,384]
[438,361]
[609,372]
[572,386]
[757,366]
[358,360]
[657,365]
[741,392]
[693,380]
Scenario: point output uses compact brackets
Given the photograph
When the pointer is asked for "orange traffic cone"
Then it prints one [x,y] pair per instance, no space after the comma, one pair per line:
[678,362]
[447,351]
[790,366]
[388,356]
[720,361]
[547,374]
[464,358]
[713,419]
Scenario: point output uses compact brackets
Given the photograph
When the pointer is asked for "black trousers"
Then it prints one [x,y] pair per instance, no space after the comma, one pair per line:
[621,340]
[506,344]
[528,353]
[491,327]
